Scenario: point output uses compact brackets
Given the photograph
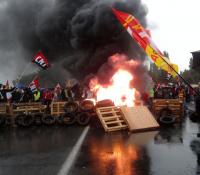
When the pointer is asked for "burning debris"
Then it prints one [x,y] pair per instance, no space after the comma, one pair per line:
[120,80]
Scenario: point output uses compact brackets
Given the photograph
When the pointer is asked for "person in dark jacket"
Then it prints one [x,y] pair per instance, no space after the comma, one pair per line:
[16,96]
[27,95]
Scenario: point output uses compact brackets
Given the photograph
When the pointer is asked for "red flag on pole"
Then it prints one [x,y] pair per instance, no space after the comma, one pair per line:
[41,60]
[34,85]
[142,37]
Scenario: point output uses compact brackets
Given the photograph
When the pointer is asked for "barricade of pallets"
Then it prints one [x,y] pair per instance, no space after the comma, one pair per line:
[175,105]
[28,108]
[111,118]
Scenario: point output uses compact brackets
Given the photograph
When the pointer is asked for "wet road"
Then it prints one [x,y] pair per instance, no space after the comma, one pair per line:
[80,151]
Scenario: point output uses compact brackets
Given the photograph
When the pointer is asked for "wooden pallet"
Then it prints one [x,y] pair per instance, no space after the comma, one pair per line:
[139,118]
[3,108]
[57,108]
[111,118]
[27,108]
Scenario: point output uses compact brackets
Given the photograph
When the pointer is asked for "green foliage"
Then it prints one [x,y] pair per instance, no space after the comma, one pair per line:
[158,75]
[191,76]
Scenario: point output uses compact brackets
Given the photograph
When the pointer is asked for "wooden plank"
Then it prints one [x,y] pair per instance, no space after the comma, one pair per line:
[139,118]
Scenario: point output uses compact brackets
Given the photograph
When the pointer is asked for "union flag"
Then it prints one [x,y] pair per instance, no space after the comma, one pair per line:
[41,60]
[143,38]
[34,85]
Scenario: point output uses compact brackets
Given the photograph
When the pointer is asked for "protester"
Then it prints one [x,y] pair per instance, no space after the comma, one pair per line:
[47,97]
[27,95]
[16,95]
[37,96]
[57,93]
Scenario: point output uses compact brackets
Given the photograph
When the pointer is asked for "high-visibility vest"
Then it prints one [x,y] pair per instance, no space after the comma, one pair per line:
[151,93]
[37,96]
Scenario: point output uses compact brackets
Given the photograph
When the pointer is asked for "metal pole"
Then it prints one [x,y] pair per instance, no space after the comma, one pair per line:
[179,75]
[20,77]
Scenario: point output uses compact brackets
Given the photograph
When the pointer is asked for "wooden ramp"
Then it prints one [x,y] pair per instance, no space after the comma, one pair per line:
[139,118]
[111,118]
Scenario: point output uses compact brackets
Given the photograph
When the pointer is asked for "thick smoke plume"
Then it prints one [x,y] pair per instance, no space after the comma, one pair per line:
[76,36]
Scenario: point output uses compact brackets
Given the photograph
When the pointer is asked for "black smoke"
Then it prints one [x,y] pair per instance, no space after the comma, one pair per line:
[76,36]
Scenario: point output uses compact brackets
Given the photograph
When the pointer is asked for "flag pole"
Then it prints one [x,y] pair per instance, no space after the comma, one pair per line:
[178,74]
[22,74]
[119,18]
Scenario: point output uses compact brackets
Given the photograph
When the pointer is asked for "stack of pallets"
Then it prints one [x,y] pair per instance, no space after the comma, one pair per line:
[175,105]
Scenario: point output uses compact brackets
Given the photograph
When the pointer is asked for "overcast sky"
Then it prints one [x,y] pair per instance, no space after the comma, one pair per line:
[175,27]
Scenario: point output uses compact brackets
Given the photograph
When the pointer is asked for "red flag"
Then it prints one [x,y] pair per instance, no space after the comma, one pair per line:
[142,37]
[41,60]
[34,85]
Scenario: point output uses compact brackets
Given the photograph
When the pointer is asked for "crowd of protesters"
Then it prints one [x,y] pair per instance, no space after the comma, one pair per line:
[77,92]
[174,91]
[171,91]
[44,95]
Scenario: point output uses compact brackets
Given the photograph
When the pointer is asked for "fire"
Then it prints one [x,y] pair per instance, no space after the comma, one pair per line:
[119,90]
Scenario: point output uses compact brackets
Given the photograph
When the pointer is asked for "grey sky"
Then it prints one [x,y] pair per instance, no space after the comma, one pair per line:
[175,27]
[173,24]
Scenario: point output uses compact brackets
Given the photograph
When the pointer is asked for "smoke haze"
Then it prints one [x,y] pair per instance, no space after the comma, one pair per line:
[76,36]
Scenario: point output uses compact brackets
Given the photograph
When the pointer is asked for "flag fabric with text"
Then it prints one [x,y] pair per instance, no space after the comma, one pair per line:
[142,37]
[41,60]
[34,85]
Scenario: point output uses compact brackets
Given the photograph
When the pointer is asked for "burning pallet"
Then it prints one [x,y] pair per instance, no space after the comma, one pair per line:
[137,118]
[111,118]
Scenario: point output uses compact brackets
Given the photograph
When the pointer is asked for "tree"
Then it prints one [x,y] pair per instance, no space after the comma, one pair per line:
[191,75]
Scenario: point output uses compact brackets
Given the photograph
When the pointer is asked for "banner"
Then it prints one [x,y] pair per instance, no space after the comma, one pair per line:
[34,85]
[142,37]
[41,60]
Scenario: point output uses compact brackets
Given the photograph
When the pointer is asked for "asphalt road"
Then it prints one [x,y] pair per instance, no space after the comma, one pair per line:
[89,150]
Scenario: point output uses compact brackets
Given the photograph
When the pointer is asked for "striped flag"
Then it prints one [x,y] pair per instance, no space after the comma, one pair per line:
[34,85]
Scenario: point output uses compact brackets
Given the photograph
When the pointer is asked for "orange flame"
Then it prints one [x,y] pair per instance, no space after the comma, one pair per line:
[118,91]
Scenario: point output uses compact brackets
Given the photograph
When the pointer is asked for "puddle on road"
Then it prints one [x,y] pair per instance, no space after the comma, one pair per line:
[173,151]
